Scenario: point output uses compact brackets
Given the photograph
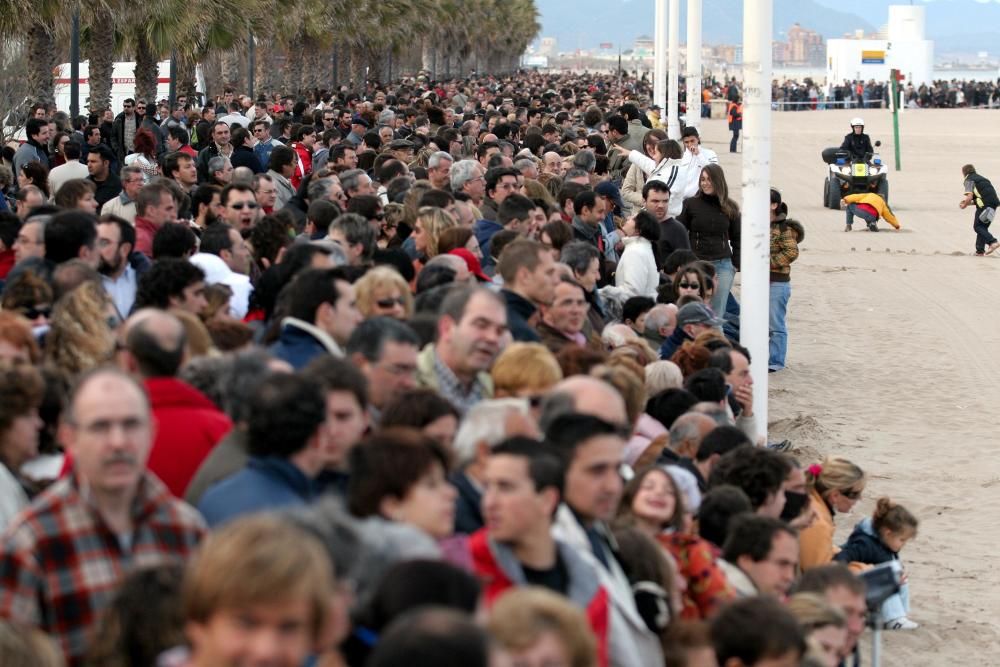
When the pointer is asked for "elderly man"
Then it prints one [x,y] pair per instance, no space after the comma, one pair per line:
[124,204]
[65,554]
[438,168]
[564,321]
[660,323]
[467,176]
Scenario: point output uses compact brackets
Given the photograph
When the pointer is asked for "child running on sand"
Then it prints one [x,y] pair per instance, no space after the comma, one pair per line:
[878,540]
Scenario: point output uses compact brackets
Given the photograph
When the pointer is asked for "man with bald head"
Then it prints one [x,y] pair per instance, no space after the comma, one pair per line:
[584,395]
[660,323]
[64,555]
[189,424]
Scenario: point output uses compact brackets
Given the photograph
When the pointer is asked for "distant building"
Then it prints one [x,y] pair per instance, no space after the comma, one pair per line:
[643,46]
[904,48]
[804,48]
[548,46]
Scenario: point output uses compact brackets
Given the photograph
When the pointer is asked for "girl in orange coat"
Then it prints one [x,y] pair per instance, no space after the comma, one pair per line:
[837,485]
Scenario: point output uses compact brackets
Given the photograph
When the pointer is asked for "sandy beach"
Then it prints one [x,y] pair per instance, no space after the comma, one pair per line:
[893,359]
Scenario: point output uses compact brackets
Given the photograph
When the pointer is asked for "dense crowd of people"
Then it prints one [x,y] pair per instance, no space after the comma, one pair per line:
[427,374]
[794,95]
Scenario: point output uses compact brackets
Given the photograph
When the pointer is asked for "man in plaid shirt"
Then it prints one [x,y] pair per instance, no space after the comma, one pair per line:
[64,556]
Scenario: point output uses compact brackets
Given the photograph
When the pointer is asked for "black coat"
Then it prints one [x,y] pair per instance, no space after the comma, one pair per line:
[712,233]
[468,515]
[858,145]
[519,311]
[245,157]
[864,547]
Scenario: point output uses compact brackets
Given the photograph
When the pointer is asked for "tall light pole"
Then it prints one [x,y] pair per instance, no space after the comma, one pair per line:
[673,121]
[755,260]
[694,62]
[660,54]
[74,66]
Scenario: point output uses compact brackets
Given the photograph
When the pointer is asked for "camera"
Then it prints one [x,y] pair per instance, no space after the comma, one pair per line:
[881,583]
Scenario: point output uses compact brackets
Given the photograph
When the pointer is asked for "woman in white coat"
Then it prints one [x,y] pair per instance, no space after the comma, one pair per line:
[637,273]
[667,165]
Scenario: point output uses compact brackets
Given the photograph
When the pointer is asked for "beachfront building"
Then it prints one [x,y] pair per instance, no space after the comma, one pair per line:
[903,47]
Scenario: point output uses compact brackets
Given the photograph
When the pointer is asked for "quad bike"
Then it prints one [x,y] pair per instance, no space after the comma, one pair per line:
[848,176]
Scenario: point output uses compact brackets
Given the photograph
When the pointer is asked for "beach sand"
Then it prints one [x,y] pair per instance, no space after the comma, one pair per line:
[893,359]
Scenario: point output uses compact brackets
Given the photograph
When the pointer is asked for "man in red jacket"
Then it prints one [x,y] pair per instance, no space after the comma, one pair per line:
[305,140]
[188,424]
[523,487]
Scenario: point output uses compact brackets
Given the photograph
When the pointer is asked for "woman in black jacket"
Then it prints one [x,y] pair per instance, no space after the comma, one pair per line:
[713,223]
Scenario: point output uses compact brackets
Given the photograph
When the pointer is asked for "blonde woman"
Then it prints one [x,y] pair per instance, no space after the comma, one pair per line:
[837,485]
[83,330]
[383,292]
[525,370]
[538,627]
[431,221]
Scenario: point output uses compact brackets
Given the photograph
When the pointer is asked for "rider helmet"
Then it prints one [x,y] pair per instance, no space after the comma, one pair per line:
[857,121]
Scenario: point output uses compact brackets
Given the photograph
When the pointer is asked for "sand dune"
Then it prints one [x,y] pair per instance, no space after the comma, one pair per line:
[893,359]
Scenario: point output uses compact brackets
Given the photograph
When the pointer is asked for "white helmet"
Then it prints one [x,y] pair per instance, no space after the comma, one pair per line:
[857,121]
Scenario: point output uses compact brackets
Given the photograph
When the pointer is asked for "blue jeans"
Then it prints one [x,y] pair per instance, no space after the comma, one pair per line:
[780,293]
[853,210]
[898,605]
[725,274]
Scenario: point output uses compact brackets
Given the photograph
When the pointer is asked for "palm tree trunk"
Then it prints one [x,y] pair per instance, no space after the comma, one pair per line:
[186,76]
[147,73]
[212,69]
[42,59]
[100,53]
[294,64]
[232,71]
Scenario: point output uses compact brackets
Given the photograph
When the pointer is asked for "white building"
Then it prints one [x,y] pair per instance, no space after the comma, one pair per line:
[904,48]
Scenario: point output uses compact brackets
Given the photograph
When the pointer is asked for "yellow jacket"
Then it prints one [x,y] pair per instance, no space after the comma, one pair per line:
[816,542]
[877,203]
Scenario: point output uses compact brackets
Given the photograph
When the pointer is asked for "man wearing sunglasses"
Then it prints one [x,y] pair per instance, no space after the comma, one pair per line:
[240,208]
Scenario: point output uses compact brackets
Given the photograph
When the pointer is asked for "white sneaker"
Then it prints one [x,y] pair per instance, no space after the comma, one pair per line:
[901,623]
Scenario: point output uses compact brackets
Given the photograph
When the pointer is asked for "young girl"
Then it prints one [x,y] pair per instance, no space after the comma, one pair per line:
[878,540]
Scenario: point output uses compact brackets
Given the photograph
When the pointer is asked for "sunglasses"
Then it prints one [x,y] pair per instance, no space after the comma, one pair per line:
[379,216]
[389,303]
[689,285]
[852,494]
[33,313]
[239,206]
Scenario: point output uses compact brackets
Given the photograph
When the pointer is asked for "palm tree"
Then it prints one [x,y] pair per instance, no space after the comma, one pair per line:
[40,24]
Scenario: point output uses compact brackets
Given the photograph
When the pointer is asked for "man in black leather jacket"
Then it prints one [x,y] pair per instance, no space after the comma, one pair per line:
[857,143]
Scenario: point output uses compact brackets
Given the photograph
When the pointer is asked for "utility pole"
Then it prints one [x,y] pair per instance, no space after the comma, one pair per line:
[895,114]
[694,62]
[673,120]
[74,65]
[660,55]
[755,256]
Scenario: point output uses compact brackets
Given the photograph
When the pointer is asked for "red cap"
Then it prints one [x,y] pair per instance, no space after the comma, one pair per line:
[475,268]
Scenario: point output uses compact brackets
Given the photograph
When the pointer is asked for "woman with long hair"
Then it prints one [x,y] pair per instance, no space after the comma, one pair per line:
[144,156]
[83,330]
[637,273]
[430,223]
[635,178]
[713,223]
[665,164]
[34,173]
[786,234]
[653,503]
[836,486]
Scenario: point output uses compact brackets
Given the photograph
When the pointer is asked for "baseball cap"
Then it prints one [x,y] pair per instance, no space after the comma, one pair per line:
[611,191]
[697,313]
